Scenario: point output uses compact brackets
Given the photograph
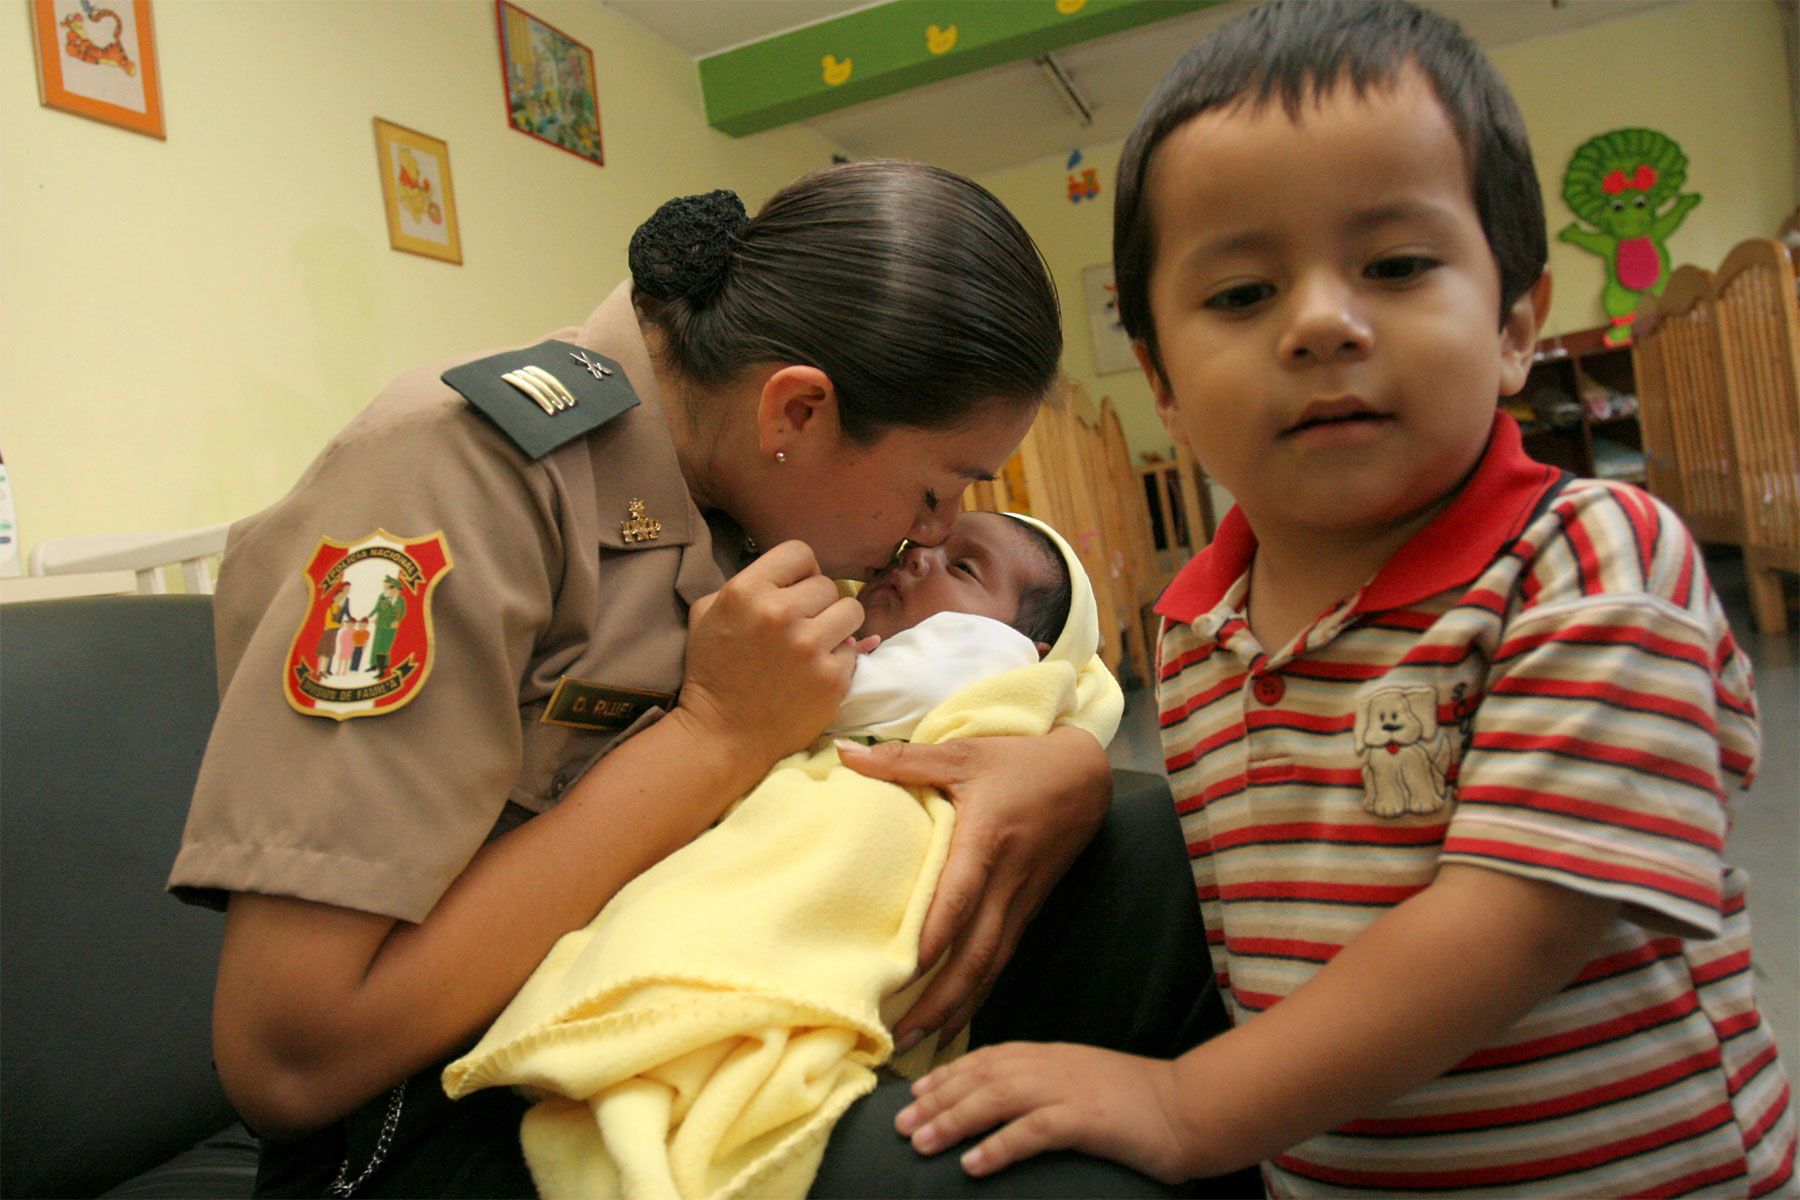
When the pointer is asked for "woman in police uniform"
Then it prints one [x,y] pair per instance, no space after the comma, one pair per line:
[563,542]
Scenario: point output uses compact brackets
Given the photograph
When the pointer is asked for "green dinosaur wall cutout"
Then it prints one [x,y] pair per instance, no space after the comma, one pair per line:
[1627,185]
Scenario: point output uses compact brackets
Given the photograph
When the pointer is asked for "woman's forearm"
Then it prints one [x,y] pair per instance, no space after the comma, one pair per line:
[319,1008]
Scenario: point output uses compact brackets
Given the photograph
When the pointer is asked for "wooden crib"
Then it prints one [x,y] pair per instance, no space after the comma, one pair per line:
[1759,335]
[1718,377]
[1684,413]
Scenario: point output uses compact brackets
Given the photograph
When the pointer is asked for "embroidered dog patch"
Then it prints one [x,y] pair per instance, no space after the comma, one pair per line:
[365,645]
[1405,756]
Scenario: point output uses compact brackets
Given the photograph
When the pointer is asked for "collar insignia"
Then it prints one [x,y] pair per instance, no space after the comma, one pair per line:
[639,526]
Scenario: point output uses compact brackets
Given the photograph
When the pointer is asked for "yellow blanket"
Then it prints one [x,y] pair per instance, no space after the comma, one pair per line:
[701,1036]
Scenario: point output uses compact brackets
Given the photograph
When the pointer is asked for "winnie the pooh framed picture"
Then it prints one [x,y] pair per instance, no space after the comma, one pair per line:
[416,190]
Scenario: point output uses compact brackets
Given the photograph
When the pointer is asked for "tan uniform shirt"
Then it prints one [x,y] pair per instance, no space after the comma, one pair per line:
[380,813]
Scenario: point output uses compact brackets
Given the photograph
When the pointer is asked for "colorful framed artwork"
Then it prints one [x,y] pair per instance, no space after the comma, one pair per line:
[97,58]
[549,79]
[417,192]
[1112,348]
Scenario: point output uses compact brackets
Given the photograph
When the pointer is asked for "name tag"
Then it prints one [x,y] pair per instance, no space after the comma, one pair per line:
[583,704]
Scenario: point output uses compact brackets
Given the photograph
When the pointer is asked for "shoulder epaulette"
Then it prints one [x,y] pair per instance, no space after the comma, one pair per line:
[547,395]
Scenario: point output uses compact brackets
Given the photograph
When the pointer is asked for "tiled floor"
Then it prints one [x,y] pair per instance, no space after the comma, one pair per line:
[1765,837]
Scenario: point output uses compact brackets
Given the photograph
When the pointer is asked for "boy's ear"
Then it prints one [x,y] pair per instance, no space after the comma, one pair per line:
[1519,333]
[1043,649]
[796,402]
[1166,408]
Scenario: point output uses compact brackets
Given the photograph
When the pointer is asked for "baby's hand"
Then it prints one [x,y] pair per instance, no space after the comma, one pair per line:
[1052,1097]
[863,645]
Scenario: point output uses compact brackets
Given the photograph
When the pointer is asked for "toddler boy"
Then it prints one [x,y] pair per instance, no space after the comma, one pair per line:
[1451,735]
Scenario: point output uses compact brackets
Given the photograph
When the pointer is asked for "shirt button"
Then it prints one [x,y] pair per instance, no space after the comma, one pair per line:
[1268,689]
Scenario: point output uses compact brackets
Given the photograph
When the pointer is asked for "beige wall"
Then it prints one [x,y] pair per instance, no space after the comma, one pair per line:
[1711,74]
[184,323]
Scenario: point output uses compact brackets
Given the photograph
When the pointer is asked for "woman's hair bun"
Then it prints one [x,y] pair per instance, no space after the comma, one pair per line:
[684,250]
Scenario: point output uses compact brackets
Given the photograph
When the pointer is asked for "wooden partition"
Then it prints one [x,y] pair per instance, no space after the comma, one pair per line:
[1759,334]
[1144,569]
[1177,497]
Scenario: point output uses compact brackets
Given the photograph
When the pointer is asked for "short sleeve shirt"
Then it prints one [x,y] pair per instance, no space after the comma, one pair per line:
[1540,682]
[543,588]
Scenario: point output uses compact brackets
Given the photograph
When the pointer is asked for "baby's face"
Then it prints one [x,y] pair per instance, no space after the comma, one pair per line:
[983,567]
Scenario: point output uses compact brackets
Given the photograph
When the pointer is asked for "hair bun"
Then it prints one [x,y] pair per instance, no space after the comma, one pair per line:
[684,250]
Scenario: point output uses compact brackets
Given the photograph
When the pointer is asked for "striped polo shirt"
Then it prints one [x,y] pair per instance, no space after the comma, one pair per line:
[1540,682]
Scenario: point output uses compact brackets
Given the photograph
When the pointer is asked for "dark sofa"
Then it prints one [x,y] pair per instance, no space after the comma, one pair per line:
[106,982]
[106,1080]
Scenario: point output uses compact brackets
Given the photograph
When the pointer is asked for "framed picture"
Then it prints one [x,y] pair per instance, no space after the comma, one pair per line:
[416,190]
[1112,349]
[549,78]
[97,58]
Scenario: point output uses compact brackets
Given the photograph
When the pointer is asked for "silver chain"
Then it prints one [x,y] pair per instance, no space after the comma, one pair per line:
[345,1186]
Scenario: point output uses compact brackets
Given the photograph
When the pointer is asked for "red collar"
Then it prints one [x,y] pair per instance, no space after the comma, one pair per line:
[1488,511]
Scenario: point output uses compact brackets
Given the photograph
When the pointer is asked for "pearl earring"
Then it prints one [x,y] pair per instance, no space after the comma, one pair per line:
[781,456]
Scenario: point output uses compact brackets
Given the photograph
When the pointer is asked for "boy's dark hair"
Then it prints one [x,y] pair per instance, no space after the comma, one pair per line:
[1043,604]
[1299,50]
[912,287]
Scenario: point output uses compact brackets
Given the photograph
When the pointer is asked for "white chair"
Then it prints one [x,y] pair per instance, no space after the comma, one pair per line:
[193,550]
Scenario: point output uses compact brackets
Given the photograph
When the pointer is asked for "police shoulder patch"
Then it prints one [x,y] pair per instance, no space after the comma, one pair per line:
[546,395]
[365,646]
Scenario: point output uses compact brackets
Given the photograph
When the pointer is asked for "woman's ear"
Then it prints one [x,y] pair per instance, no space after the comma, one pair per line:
[796,402]
[1043,649]
[1519,332]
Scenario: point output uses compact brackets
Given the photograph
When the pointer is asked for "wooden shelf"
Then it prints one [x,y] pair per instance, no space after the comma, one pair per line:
[1564,363]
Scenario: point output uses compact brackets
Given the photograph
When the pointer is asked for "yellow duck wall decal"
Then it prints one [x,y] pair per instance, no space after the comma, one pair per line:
[940,41]
[835,70]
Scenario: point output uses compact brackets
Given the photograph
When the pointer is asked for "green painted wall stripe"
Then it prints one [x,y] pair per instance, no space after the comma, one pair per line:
[887,48]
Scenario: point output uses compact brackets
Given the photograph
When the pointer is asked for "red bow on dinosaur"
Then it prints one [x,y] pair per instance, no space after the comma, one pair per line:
[1642,181]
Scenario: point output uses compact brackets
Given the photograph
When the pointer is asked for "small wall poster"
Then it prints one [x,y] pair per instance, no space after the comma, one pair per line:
[99,60]
[1112,349]
[417,192]
[549,77]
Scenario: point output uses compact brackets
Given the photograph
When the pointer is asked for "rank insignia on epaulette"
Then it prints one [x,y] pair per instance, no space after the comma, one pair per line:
[547,395]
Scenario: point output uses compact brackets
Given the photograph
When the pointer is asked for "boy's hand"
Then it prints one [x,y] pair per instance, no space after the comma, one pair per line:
[1050,1097]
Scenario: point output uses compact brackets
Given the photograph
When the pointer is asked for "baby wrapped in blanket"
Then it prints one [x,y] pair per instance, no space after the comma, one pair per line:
[702,1035]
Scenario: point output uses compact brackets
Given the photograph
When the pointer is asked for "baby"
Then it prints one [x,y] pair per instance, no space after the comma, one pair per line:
[992,597]
[702,1035]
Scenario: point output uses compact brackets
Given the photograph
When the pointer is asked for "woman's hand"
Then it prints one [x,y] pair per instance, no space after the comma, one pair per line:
[1051,1097]
[769,656]
[1025,807]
